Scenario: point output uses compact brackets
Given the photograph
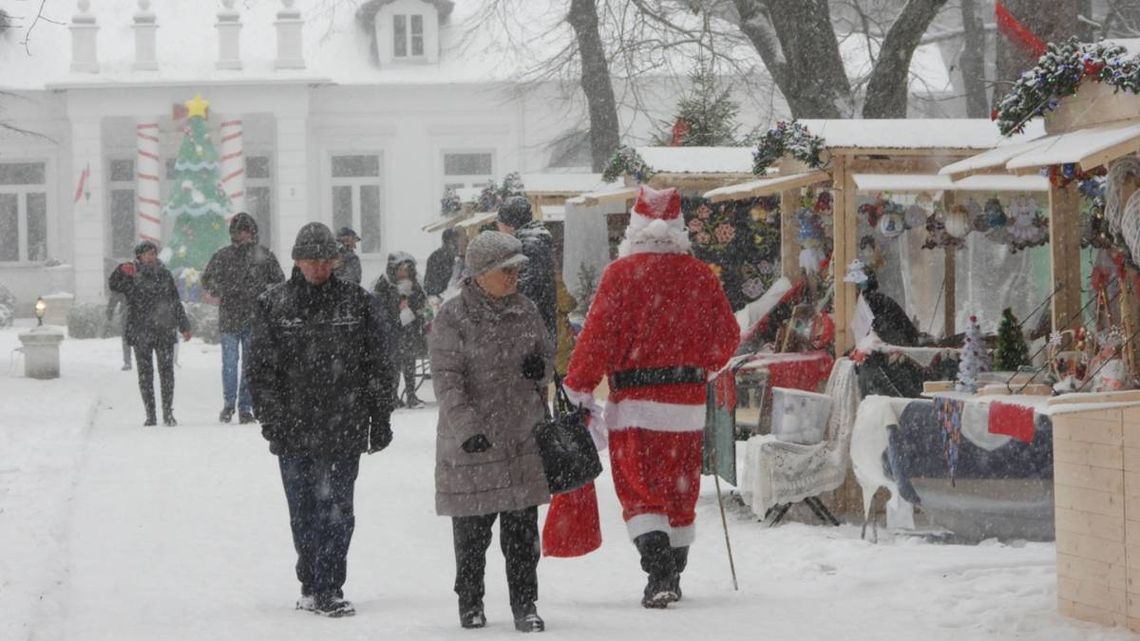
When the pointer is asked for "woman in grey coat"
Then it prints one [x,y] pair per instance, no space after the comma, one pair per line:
[490,356]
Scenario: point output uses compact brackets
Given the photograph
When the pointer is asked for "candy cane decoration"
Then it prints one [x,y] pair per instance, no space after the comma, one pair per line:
[148,174]
[233,165]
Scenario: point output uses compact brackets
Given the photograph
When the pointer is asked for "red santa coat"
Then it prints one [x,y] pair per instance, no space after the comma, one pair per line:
[654,310]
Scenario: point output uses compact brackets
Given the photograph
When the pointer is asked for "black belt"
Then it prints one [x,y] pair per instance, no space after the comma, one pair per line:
[683,375]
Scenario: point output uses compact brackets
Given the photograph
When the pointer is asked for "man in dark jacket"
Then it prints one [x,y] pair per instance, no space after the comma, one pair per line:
[237,275]
[536,280]
[154,312]
[443,266]
[321,384]
[405,304]
[349,266]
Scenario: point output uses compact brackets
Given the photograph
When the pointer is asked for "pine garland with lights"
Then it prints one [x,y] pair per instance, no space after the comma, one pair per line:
[627,162]
[791,139]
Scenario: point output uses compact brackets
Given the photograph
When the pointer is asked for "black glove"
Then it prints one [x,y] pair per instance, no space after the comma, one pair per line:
[380,438]
[476,444]
[534,367]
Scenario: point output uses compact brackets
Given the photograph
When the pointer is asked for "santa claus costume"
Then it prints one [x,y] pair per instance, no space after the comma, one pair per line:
[659,327]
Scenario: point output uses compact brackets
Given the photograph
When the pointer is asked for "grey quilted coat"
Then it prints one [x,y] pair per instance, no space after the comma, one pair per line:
[477,345]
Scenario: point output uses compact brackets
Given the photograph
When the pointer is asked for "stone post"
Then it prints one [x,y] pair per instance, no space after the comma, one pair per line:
[84,53]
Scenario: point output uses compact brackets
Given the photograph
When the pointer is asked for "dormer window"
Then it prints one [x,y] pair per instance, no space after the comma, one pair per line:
[408,35]
[404,31]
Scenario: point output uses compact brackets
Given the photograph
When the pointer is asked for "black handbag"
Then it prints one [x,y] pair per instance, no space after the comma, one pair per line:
[569,457]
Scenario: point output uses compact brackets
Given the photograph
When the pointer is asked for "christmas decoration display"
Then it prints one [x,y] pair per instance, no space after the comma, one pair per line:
[974,359]
[791,139]
[881,209]
[627,162]
[994,214]
[1068,360]
[198,203]
[936,235]
[1011,351]
[450,204]
[740,240]
[1124,170]
[1028,227]
[494,195]
[1059,72]
[706,115]
[957,222]
[1062,175]
[1095,230]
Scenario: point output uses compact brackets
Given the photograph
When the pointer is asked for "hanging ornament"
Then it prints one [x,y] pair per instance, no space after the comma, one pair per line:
[957,221]
[891,225]
[915,216]
[978,220]
[995,214]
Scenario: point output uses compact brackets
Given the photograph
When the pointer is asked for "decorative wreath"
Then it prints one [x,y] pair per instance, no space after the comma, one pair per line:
[791,139]
[627,162]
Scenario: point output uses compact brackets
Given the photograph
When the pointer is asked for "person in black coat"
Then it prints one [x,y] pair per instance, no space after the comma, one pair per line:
[443,266]
[154,312]
[237,275]
[536,280]
[405,302]
[349,267]
[321,384]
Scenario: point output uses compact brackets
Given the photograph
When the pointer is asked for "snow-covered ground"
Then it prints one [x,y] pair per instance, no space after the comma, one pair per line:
[112,531]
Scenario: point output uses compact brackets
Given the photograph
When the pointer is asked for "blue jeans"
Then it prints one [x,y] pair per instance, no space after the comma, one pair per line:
[231,343]
[320,492]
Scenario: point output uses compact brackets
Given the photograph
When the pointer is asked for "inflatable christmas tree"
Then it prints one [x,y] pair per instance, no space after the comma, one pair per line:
[197,202]
[974,359]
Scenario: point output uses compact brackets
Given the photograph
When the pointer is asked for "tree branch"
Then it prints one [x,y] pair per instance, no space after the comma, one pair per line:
[887,88]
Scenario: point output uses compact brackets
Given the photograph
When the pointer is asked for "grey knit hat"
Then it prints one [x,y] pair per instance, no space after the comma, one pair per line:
[315,242]
[493,250]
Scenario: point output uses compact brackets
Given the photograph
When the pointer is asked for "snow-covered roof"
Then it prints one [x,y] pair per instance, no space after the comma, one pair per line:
[698,160]
[1082,146]
[916,133]
[767,186]
[561,183]
[911,183]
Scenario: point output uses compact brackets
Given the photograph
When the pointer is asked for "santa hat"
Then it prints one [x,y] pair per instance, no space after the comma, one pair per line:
[655,224]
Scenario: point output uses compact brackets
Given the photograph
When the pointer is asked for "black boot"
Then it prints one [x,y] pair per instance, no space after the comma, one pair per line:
[680,560]
[657,561]
[148,403]
[527,619]
[471,614]
[226,415]
[168,418]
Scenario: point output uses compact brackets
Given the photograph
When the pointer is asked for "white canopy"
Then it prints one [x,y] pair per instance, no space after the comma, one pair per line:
[874,183]
[767,186]
[1089,148]
[619,193]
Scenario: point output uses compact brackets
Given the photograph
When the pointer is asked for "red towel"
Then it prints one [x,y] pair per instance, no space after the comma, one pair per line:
[804,374]
[572,525]
[1012,420]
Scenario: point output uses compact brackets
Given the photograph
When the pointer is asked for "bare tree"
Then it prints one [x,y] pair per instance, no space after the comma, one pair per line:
[596,84]
[973,61]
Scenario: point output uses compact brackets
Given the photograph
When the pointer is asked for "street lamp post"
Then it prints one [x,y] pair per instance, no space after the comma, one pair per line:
[41,309]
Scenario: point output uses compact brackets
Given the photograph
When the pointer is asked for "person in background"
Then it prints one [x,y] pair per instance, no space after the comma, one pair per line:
[444,266]
[237,275]
[404,301]
[321,383]
[536,280]
[490,354]
[154,315]
[117,300]
[565,335]
[349,266]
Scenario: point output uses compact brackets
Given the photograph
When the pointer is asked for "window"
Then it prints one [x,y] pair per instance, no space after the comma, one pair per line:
[355,196]
[467,169]
[121,192]
[408,35]
[23,212]
[259,196]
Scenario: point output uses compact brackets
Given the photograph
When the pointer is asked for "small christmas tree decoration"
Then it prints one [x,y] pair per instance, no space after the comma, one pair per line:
[973,361]
[1011,352]
[706,115]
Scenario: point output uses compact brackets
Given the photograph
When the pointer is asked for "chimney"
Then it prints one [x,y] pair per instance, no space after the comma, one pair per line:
[289,25]
[145,27]
[229,37]
[84,55]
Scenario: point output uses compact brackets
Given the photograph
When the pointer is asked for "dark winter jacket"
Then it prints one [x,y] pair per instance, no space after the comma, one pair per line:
[408,329]
[237,275]
[536,280]
[154,310]
[437,274]
[349,268]
[478,345]
[319,370]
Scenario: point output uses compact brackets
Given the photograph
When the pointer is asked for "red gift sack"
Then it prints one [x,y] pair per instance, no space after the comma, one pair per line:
[572,526]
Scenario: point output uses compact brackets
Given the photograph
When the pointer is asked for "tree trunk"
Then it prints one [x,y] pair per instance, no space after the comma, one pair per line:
[887,90]
[972,63]
[596,83]
[1055,24]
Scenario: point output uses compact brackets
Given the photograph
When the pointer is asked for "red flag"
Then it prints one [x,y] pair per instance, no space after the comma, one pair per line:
[81,188]
[572,526]
[681,128]
[1016,32]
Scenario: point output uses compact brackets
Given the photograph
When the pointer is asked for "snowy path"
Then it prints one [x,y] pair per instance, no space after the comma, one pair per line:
[116,532]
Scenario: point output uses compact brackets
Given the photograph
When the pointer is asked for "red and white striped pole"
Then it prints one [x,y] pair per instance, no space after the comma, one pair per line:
[148,172]
[233,165]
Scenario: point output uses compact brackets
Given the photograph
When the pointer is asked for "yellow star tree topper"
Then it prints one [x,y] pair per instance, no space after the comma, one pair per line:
[197,107]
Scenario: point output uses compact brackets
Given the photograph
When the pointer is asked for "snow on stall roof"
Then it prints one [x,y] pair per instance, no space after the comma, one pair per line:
[1077,146]
[906,183]
[562,183]
[916,133]
[694,160]
[994,158]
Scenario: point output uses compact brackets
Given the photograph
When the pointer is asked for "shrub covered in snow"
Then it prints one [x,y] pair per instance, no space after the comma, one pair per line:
[7,307]
[86,320]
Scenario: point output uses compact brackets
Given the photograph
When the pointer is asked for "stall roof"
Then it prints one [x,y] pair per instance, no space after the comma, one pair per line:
[916,133]
[564,183]
[615,193]
[874,183]
[553,213]
[476,220]
[698,160]
[992,159]
[1089,148]
[444,222]
[767,186]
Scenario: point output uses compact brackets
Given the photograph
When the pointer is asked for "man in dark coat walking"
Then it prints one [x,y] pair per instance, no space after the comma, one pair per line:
[443,266]
[536,280]
[349,267]
[321,384]
[154,312]
[237,275]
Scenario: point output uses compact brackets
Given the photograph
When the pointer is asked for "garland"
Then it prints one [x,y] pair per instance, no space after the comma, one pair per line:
[1058,74]
[627,162]
[787,138]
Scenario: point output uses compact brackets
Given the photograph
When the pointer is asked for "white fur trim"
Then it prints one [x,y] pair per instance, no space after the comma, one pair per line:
[646,523]
[655,416]
[646,235]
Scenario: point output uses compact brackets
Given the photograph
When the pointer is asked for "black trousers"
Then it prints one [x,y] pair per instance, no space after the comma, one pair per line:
[407,365]
[164,353]
[320,496]
[518,537]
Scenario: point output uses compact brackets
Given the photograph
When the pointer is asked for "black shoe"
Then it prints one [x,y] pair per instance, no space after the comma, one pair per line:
[472,617]
[527,619]
[414,403]
[331,605]
[150,421]
[675,587]
[658,598]
[246,417]
[168,419]
[226,415]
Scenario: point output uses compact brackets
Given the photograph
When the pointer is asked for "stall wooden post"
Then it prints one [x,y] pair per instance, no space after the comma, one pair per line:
[789,257]
[1065,255]
[949,279]
[845,207]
